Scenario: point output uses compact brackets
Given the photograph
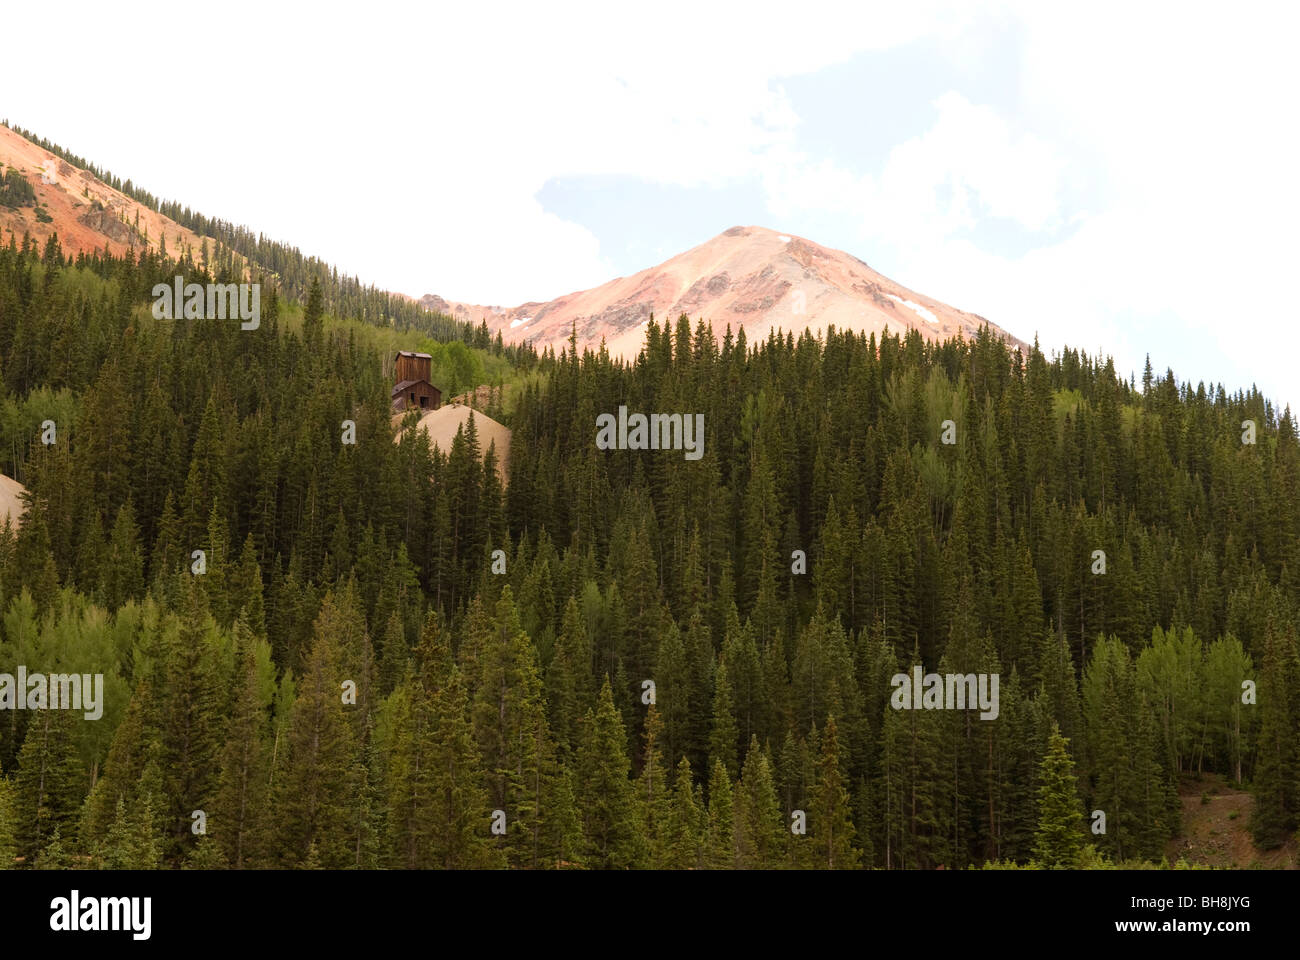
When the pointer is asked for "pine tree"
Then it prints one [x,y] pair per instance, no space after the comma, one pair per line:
[1059,839]
[247,600]
[438,811]
[50,781]
[562,832]
[681,839]
[132,765]
[511,730]
[917,790]
[720,852]
[131,843]
[653,793]
[8,826]
[92,558]
[206,855]
[55,855]
[829,812]
[316,794]
[312,318]
[192,707]
[1277,774]
[760,831]
[239,808]
[725,734]
[569,688]
[610,819]
[673,692]
[459,820]
[122,576]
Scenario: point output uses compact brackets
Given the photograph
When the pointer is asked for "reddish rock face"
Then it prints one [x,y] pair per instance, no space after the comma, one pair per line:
[750,278]
[87,214]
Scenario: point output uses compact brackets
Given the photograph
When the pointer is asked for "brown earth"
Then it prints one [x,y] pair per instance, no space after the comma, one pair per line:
[1216,832]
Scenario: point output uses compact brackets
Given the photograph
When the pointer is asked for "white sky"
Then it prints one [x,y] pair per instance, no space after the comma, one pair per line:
[1131,186]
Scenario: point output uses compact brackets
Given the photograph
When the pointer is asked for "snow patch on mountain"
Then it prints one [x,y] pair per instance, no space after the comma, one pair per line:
[916,308]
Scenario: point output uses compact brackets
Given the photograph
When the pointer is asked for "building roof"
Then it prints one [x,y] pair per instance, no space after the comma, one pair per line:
[406,384]
[420,356]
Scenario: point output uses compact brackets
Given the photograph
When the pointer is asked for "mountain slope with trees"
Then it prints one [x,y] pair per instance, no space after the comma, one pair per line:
[349,682]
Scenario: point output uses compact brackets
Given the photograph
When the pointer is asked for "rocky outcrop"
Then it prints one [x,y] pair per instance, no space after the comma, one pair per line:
[107,222]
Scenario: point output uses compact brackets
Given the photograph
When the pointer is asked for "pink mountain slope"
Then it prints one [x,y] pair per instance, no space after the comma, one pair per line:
[749,277]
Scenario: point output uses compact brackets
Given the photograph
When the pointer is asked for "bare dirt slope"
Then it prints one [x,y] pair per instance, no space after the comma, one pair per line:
[750,278]
[86,213]
[1216,832]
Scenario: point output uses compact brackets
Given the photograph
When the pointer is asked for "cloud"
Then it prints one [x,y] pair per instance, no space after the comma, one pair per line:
[408,143]
[1146,155]
[969,166]
[1150,163]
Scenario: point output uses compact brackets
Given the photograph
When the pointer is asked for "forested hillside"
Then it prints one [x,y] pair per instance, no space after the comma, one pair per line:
[352,681]
[228,249]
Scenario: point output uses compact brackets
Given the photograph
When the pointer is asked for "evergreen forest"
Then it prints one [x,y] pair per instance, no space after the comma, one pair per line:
[388,657]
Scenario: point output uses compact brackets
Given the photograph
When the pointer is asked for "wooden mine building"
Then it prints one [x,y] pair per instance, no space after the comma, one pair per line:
[413,391]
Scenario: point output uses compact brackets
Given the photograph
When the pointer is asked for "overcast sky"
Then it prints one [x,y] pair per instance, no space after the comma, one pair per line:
[1115,177]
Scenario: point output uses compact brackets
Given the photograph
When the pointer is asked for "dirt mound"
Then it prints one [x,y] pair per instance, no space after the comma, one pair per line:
[442,424]
[11,502]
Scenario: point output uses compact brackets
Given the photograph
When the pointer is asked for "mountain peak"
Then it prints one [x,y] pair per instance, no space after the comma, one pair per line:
[747,277]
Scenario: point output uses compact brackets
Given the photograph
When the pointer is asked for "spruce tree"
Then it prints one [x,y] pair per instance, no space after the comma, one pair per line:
[654,794]
[829,810]
[50,781]
[760,828]
[611,820]
[8,825]
[316,794]
[681,841]
[1059,838]
[725,733]
[720,852]
[192,713]
[239,808]
[511,730]
[1277,774]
